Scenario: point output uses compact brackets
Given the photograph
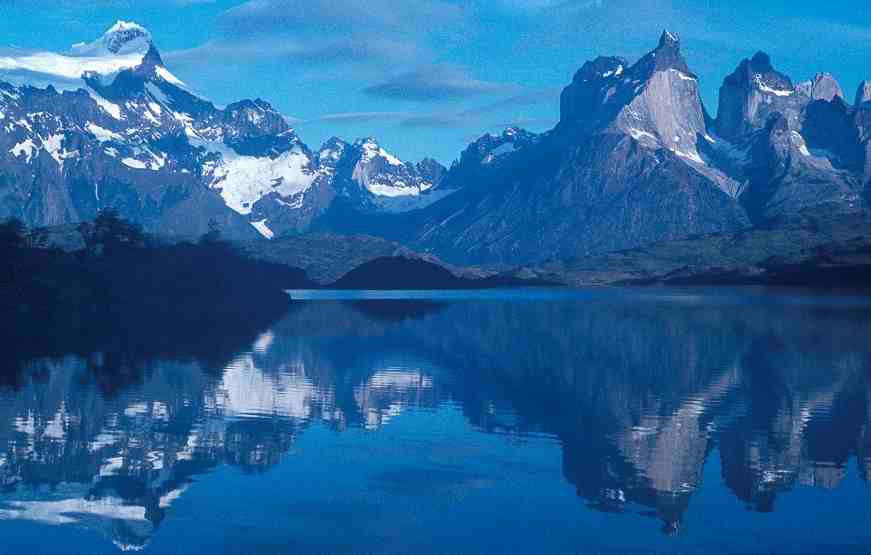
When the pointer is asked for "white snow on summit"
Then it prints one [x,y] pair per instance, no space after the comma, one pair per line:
[372,150]
[68,67]
[124,37]
[382,181]
[122,47]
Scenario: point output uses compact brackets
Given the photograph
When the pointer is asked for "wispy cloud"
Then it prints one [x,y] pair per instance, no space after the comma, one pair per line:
[359,117]
[370,36]
[435,82]
[356,16]
[478,115]
[337,51]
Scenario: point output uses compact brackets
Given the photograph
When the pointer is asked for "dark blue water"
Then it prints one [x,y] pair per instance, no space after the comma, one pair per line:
[604,421]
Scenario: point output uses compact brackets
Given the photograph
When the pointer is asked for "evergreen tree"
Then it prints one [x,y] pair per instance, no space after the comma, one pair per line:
[110,232]
[12,235]
[12,243]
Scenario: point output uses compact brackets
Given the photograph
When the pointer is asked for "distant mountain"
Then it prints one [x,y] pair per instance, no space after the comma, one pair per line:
[626,165]
[635,159]
[793,146]
[108,125]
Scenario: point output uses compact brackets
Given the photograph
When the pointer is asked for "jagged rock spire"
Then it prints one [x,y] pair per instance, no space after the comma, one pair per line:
[606,86]
[863,94]
[761,62]
[825,87]
[667,55]
[753,92]
[669,40]
[862,115]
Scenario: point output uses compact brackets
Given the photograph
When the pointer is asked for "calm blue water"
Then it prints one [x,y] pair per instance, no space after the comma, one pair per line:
[604,421]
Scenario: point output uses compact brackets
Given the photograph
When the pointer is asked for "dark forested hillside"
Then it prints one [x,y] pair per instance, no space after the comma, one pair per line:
[124,283]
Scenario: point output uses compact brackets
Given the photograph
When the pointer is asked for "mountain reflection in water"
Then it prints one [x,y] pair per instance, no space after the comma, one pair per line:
[641,392]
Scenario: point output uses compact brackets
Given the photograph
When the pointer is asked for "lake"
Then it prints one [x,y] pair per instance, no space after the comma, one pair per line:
[528,421]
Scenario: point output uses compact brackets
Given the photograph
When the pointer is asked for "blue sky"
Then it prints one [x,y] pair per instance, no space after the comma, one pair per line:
[427,76]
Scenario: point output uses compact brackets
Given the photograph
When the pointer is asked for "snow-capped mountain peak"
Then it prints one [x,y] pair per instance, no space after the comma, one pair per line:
[124,37]
[492,148]
[370,150]
[383,174]
[124,46]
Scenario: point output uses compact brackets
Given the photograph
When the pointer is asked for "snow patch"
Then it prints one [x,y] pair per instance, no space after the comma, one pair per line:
[27,148]
[638,134]
[53,145]
[134,163]
[165,74]
[263,229]
[396,189]
[243,180]
[683,75]
[112,109]
[103,135]
[765,88]
[694,156]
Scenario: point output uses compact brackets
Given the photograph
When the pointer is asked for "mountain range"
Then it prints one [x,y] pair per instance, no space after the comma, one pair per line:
[635,159]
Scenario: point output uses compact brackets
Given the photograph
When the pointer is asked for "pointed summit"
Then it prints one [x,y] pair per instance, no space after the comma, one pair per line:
[655,101]
[121,39]
[127,37]
[751,93]
[862,115]
[863,94]
[666,56]
[761,62]
[669,40]
[825,87]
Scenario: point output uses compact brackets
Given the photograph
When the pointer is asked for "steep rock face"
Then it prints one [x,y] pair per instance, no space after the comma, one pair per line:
[823,87]
[753,92]
[367,178]
[656,100]
[485,158]
[490,149]
[862,115]
[623,167]
[784,177]
[797,147]
[65,155]
[633,159]
[829,128]
[862,109]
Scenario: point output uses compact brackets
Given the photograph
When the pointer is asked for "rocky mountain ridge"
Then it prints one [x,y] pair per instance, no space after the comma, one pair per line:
[635,158]
[108,125]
